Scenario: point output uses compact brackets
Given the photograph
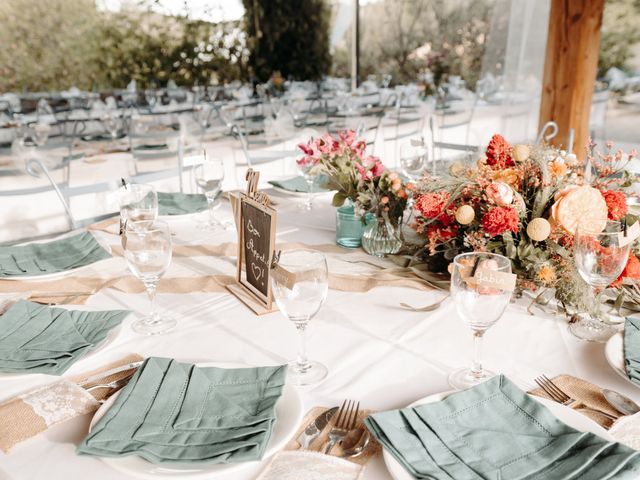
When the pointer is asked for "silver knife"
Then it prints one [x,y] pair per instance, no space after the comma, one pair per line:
[113,371]
[314,429]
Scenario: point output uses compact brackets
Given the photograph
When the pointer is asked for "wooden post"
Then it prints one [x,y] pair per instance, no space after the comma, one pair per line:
[355,46]
[570,69]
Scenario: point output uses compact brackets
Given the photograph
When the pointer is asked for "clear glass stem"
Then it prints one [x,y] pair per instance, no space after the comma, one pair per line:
[151,289]
[476,367]
[211,203]
[309,202]
[302,362]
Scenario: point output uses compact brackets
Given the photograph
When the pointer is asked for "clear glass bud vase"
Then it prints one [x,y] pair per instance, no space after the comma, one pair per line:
[381,238]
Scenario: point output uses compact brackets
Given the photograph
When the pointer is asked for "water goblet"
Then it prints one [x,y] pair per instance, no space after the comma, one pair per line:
[299,300]
[413,160]
[147,250]
[306,169]
[479,306]
[208,177]
[40,133]
[138,204]
[600,256]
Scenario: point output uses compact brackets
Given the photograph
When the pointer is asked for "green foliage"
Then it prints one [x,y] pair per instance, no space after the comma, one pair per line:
[288,36]
[619,33]
[56,44]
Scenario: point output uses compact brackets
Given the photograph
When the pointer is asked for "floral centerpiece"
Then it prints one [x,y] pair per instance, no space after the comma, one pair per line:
[363,181]
[355,176]
[525,203]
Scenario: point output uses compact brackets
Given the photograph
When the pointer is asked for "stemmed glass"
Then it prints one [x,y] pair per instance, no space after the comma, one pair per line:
[479,306]
[600,258]
[299,299]
[306,169]
[40,133]
[413,160]
[147,250]
[138,204]
[209,176]
[110,122]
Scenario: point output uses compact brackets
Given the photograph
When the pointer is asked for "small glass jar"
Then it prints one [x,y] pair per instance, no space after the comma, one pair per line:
[349,227]
[381,238]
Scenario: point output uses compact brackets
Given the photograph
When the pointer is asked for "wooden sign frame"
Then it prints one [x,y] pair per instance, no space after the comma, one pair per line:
[260,302]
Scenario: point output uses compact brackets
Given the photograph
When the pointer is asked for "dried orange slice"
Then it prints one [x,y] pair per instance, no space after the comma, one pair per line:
[583,205]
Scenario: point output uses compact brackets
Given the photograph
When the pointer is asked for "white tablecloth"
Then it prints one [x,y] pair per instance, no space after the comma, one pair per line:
[376,352]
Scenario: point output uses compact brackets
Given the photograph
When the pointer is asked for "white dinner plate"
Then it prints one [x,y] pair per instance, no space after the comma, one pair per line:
[564,414]
[288,418]
[52,276]
[614,353]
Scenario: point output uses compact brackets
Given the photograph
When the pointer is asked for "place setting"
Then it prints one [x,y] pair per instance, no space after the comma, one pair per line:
[320,240]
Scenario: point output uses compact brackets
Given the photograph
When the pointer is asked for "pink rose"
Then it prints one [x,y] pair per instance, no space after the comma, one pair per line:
[347,136]
[499,193]
[375,165]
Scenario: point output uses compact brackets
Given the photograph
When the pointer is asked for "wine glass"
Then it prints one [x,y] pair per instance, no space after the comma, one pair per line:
[110,123]
[138,204]
[209,176]
[479,306]
[306,169]
[147,250]
[600,259]
[40,133]
[413,159]
[299,299]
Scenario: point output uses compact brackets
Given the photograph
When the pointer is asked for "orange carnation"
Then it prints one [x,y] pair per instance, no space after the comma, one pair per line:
[616,204]
[631,270]
[499,220]
[499,153]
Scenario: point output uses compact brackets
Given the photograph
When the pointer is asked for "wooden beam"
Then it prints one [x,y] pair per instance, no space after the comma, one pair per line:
[570,69]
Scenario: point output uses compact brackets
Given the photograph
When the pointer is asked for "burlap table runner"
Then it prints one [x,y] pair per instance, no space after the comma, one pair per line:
[28,414]
[588,394]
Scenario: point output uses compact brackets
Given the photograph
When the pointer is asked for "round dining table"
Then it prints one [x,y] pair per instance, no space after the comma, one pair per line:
[376,351]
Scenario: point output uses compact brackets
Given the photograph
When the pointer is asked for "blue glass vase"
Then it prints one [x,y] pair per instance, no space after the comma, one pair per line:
[349,227]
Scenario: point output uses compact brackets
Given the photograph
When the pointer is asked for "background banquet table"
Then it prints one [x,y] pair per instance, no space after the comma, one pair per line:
[376,352]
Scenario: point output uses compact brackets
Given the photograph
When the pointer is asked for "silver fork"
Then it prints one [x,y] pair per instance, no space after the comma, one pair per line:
[345,421]
[115,385]
[559,396]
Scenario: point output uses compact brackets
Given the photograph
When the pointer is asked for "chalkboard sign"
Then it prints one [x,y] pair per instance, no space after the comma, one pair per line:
[255,221]
[257,243]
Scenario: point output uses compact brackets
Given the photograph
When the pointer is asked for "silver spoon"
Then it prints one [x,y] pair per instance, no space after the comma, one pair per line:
[355,442]
[621,403]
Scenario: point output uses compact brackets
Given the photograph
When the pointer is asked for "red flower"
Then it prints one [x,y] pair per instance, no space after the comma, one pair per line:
[431,205]
[499,153]
[616,204]
[499,220]
[631,270]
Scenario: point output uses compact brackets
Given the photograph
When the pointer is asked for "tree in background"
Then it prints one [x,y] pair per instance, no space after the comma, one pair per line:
[399,36]
[47,44]
[291,37]
[619,34]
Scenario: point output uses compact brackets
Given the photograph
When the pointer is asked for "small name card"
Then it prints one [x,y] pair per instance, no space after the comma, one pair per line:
[633,232]
[486,277]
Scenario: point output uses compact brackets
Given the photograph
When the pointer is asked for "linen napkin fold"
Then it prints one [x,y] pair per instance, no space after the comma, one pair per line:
[173,412]
[495,430]
[297,184]
[632,349]
[51,257]
[31,413]
[180,203]
[39,339]
[587,394]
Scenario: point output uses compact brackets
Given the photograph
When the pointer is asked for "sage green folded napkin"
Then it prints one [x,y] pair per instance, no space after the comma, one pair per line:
[39,339]
[180,203]
[173,412]
[298,184]
[51,257]
[632,348]
[496,431]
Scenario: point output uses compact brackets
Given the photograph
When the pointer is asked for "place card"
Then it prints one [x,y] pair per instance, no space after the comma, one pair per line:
[256,224]
[486,277]
[632,233]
